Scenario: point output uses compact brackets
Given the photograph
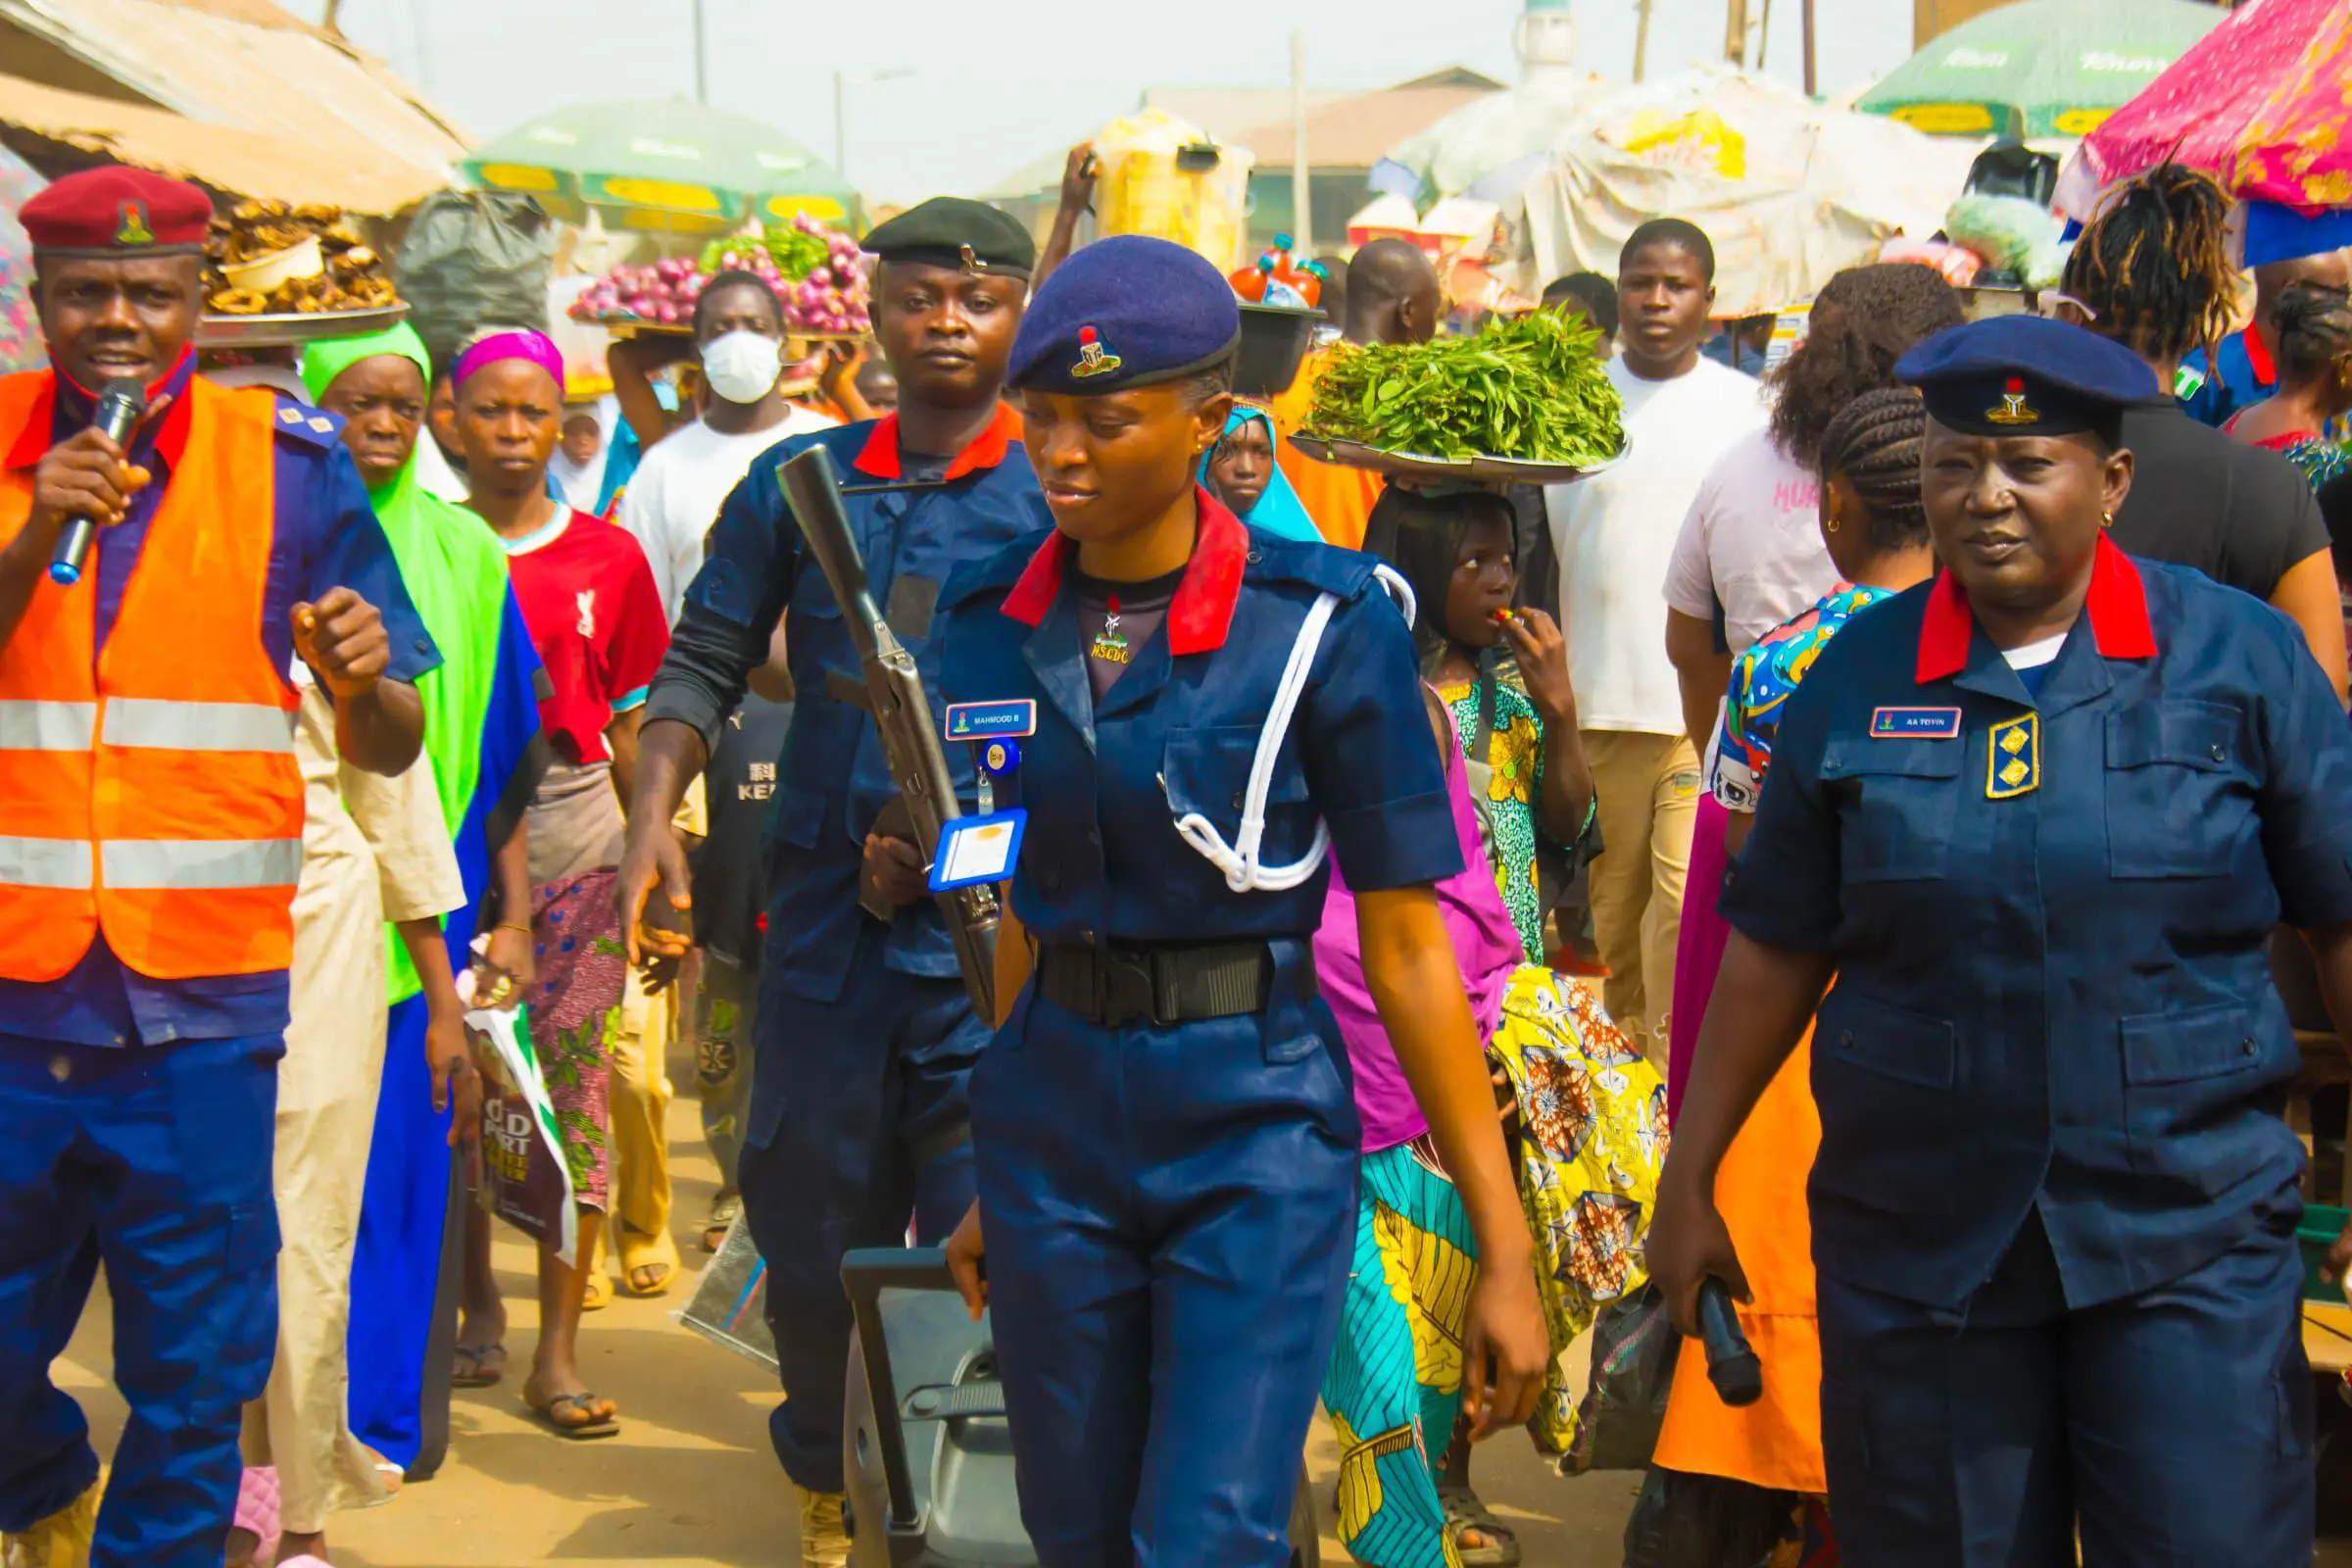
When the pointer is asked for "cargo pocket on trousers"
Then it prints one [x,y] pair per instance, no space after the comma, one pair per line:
[252,1237]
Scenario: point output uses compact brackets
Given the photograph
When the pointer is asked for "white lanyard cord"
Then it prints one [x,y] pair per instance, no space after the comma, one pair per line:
[1239,860]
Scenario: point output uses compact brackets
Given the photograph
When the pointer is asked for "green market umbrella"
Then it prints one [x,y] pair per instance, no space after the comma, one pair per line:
[662,164]
[2039,68]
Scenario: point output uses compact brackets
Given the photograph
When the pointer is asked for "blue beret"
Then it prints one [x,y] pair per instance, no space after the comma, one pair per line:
[1122,313]
[2025,375]
[956,231]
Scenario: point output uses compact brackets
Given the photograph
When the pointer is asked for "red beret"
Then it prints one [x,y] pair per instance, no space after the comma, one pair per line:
[117,210]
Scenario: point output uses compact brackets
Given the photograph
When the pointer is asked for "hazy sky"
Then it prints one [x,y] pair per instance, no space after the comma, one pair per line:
[996,86]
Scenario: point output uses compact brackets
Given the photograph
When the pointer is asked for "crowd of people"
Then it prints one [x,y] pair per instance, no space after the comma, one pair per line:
[1705,790]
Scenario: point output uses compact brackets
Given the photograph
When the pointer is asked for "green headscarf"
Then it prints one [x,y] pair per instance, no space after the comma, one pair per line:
[457,574]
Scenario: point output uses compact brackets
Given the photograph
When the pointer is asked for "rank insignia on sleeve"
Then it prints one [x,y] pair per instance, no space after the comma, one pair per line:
[2013,757]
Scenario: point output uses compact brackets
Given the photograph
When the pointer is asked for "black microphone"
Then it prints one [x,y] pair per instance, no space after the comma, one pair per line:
[1732,1364]
[120,405]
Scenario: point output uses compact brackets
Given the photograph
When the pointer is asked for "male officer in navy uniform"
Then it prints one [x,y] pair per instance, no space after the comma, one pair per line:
[865,1036]
[2039,817]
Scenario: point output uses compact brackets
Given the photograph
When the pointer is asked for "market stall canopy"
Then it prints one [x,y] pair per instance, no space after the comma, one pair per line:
[243,78]
[65,131]
[1790,191]
[2260,103]
[663,164]
[2039,68]
[1492,146]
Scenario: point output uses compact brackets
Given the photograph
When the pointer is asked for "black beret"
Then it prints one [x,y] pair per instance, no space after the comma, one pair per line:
[2025,375]
[957,231]
[1124,312]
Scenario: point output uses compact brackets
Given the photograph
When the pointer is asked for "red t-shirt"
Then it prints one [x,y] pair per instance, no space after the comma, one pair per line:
[596,618]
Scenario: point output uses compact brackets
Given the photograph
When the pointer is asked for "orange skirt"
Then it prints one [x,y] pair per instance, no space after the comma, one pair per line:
[1761,1190]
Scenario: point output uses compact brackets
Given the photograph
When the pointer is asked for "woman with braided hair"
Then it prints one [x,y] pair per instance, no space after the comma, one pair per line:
[2314,328]
[2152,270]
[1876,532]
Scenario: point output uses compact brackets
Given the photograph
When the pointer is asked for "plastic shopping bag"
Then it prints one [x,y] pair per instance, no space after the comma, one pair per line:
[525,1179]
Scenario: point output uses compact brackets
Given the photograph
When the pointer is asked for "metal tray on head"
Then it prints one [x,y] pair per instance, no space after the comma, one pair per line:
[1475,470]
[288,328]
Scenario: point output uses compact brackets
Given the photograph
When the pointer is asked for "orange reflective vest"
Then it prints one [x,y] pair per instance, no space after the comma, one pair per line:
[149,790]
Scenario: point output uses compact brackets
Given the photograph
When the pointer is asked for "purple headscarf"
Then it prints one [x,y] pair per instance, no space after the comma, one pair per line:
[536,347]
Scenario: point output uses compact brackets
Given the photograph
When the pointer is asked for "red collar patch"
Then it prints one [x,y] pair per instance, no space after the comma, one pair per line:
[2258,355]
[2118,603]
[1202,613]
[26,446]
[879,457]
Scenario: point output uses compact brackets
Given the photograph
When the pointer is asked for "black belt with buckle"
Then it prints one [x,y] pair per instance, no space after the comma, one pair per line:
[1117,986]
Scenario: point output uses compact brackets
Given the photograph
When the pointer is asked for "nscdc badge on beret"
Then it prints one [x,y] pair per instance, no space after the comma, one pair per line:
[2014,409]
[134,229]
[1094,357]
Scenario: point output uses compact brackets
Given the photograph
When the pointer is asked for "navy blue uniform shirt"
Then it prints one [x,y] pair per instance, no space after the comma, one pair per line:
[833,782]
[326,537]
[2049,914]
[1104,780]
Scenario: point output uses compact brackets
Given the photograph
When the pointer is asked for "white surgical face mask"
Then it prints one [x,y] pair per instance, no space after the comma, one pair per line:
[743,367]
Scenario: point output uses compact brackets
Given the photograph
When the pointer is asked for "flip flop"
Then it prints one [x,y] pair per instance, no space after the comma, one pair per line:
[489,1365]
[578,1432]
[1465,1512]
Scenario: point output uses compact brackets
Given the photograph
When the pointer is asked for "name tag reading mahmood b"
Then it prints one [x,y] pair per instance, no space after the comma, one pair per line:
[1009,719]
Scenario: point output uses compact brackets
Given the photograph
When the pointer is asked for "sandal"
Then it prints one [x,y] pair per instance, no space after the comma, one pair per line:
[551,1416]
[1465,1514]
[641,1253]
[477,1367]
[724,1211]
[598,1293]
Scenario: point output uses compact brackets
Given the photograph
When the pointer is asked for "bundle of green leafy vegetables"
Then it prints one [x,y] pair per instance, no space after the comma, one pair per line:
[1529,388]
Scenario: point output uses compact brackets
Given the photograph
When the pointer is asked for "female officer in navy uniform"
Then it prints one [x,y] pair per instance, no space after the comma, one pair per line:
[2038,818]
[1164,1135]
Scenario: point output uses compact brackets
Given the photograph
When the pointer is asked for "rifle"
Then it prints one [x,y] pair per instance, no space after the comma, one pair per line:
[902,713]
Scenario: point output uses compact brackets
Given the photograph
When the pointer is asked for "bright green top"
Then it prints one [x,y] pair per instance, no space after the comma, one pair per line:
[457,574]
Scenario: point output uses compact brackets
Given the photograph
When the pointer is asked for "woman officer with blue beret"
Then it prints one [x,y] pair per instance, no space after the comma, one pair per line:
[1164,1135]
[2038,818]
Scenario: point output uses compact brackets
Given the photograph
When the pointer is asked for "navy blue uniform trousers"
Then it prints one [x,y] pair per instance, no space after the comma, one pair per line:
[858,1121]
[1168,1216]
[2173,1427]
[155,1160]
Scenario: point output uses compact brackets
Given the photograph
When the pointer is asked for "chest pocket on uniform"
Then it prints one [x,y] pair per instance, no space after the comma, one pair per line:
[2173,769]
[1207,770]
[1899,800]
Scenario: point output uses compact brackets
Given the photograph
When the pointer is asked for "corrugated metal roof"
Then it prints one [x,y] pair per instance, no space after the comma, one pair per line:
[1358,132]
[219,156]
[247,65]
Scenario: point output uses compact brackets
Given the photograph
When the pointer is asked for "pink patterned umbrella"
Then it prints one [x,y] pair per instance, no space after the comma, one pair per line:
[2261,102]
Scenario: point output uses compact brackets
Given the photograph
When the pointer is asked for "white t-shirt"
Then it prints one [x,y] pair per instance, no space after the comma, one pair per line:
[1753,543]
[1615,533]
[674,495]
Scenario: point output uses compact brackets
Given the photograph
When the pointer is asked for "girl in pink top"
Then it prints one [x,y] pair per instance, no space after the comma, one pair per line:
[1587,1126]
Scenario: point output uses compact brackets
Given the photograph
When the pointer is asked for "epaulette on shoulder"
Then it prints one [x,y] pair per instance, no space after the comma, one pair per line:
[1326,569]
[312,427]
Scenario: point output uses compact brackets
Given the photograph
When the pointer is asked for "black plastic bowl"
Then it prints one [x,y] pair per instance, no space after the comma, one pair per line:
[1274,340]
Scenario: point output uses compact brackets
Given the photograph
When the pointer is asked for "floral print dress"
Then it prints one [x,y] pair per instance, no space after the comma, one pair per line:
[1507,786]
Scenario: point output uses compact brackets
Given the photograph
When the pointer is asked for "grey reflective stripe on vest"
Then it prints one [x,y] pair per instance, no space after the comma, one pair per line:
[44,863]
[181,864]
[31,726]
[160,725]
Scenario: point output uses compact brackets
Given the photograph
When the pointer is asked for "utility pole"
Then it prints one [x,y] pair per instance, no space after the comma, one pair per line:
[1812,81]
[1735,31]
[840,136]
[1302,196]
[702,59]
[1764,37]
[1640,38]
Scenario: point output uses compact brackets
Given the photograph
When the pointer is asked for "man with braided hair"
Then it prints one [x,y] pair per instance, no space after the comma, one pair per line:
[2153,273]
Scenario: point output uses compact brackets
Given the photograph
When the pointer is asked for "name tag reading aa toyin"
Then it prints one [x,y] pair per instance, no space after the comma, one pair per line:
[978,849]
[1914,723]
[992,722]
